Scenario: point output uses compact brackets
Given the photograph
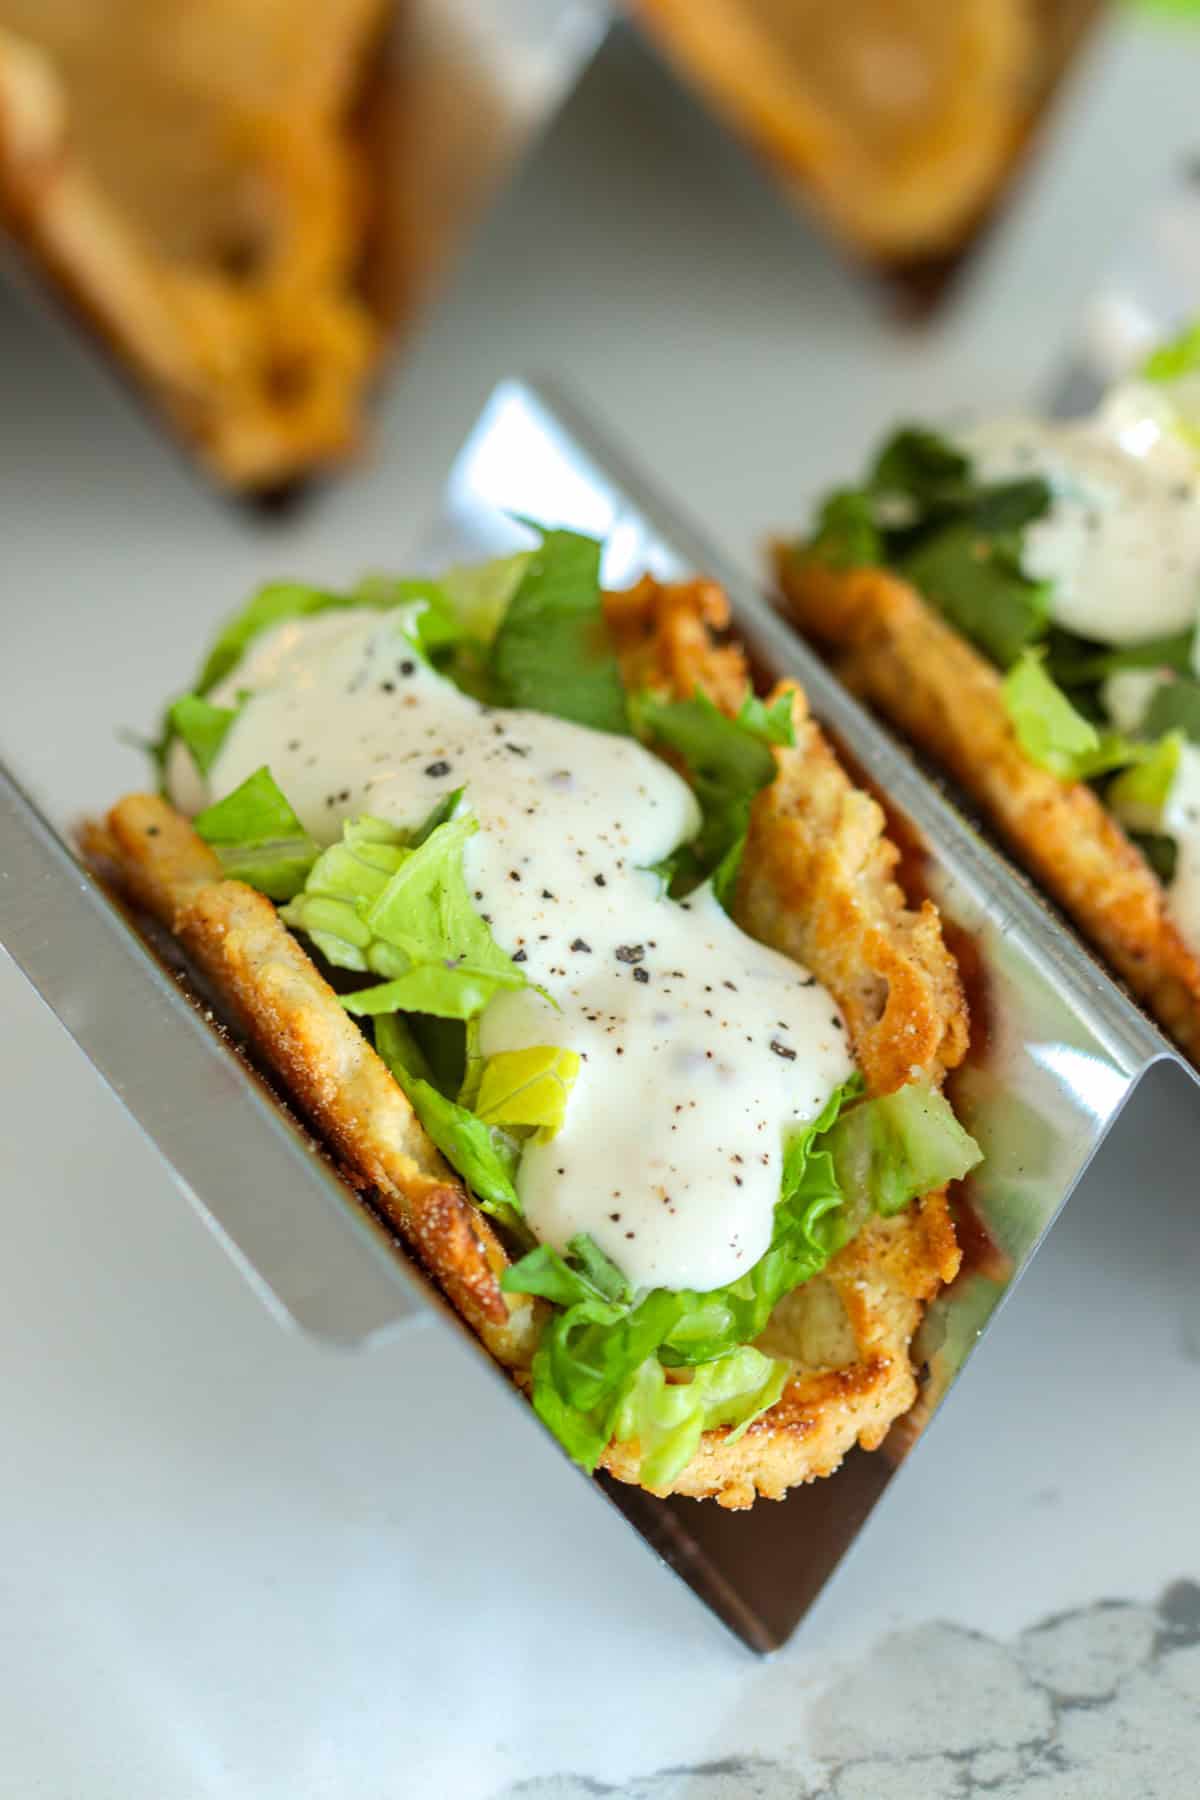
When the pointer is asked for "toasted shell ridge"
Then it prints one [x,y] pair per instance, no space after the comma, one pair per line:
[294,1019]
[937,689]
[189,183]
[818,883]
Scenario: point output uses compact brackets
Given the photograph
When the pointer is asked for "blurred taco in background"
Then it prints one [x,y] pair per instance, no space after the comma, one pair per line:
[896,120]
[185,173]
[1021,601]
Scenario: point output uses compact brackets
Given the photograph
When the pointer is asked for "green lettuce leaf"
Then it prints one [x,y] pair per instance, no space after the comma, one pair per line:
[552,652]
[1139,796]
[1175,707]
[922,468]
[1179,356]
[1050,730]
[857,1157]
[258,837]
[426,937]
[484,1156]
[727,762]
[342,883]
[1160,851]
[667,1418]
[202,726]
[977,583]
[923,512]
[891,1149]
[847,535]
[1077,662]
[527,1088]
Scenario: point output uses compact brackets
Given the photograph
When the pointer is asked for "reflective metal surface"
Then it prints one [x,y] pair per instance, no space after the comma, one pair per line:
[1058,1050]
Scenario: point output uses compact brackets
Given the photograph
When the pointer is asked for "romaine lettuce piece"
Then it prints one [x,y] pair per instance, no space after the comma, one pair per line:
[341,884]
[728,762]
[552,652]
[891,1149]
[427,938]
[258,837]
[1049,729]
[484,1156]
[857,1157]
[978,584]
[1139,796]
[668,1418]
[202,726]
[1175,707]
[527,1088]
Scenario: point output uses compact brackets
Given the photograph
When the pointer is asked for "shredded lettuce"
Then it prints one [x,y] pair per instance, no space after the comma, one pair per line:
[426,937]
[1050,730]
[527,1088]
[923,512]
[891,1149]
[258,837]
[202,726]
[552,652]
[484,1156]
[856,1157]
[343,882]
[1139,796]
[667,1419]
[728,762]
[977,583]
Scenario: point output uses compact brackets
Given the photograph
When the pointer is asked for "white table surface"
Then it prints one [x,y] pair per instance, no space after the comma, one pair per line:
[237,1564]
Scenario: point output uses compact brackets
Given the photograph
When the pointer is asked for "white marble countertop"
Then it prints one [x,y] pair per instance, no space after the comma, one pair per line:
[239,1565]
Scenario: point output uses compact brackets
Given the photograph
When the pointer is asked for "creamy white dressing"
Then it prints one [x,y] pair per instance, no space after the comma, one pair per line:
[1121,540]
[700,1047]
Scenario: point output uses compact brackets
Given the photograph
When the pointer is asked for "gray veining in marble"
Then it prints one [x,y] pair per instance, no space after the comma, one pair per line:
[1101,1703]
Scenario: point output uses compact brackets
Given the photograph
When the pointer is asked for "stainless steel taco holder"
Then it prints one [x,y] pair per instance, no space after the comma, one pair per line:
[1059,1050]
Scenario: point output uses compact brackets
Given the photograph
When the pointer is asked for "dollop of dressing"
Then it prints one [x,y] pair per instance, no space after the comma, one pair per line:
[1121,546]
[1121,539]
[700,1047]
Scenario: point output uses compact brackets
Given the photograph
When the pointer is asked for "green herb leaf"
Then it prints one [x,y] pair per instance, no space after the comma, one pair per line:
[1076,662]
[258,837]
[922,467]
[977,583]
[552,651]
[202,726]
[847,536]
[728,761]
